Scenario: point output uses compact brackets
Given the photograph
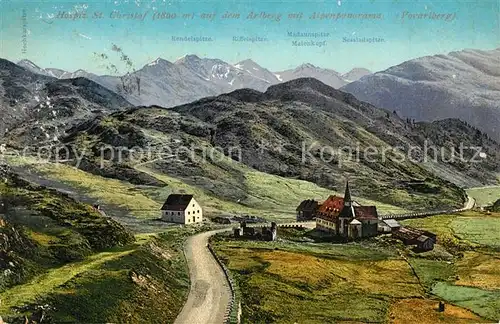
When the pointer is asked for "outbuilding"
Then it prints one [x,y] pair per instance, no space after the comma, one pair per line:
[425,243]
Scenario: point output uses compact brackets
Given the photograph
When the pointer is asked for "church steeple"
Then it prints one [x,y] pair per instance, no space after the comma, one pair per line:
[347,195]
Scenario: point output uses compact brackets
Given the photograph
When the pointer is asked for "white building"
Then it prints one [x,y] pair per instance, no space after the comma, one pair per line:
[182,209]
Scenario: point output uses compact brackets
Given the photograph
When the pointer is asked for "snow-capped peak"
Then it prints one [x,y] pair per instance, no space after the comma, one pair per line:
[29,64]
[248,64]
[306,66]
[187,58]
[155,62]
[158,61]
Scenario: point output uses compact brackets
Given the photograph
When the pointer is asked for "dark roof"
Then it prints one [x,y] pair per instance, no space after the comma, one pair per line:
[177,202]
[392,223]
[329,210]
[360,212]
[309,204]
[414,234]
[408,233]
[346,212]
[365,212]
[423,238]
[347,194]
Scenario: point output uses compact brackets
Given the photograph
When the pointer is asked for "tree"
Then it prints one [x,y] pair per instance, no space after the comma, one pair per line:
[129,81]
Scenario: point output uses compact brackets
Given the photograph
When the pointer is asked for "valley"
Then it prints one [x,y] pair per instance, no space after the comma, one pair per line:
[377,280]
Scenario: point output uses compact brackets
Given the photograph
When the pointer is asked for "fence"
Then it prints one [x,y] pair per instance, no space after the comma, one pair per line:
[296,224]
[422,214]
[233,308]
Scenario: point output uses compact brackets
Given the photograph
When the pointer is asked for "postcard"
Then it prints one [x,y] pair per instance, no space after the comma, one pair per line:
[265,161]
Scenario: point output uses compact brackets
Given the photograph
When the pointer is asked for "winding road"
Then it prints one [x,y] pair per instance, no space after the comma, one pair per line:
[471,202]
[209,295]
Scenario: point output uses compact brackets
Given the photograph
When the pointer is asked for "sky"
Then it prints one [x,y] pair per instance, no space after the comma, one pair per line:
[72,35]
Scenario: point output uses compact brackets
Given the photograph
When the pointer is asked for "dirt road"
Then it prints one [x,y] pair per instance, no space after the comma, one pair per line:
[209,295]
[471,202]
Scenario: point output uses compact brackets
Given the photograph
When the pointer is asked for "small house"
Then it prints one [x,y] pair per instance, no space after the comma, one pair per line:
[423,240]
[181,209]
[307,210]
[254,233]
[425,243]
[388,226]
[407,235]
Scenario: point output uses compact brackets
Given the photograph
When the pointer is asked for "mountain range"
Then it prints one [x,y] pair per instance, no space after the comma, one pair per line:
[268,132]
[463,84]
[271,128]
[189,78]
[38,108]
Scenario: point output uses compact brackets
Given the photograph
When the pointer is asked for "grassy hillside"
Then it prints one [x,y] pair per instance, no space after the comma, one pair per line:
[142,282]
[301,130]
[243,152]
[206,168]
[42,228]
[146,283]
[388,282]
[263,194]
[485,196]
[62,259]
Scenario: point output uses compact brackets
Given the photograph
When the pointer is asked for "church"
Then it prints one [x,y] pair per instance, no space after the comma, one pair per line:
[352,220]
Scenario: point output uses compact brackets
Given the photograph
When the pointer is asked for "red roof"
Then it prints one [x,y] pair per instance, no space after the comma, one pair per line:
[331,204]
[330,208]
[365,212]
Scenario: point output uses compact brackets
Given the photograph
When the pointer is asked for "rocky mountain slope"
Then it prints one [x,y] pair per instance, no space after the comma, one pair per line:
[189,78]
[301,129]
[327,76]
[40,107]
[355,74]
[464,85]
